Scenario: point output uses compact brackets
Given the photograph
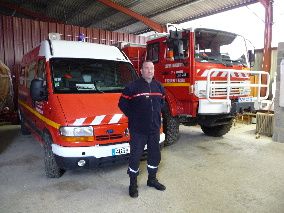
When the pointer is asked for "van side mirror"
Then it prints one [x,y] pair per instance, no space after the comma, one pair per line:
[38,90]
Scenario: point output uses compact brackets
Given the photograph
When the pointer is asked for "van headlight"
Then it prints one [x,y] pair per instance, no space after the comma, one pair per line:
[76,131]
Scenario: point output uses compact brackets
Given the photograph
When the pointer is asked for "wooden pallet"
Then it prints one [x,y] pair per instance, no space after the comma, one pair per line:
[246,118]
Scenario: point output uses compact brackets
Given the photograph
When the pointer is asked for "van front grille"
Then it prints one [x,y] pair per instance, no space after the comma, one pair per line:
[108,137]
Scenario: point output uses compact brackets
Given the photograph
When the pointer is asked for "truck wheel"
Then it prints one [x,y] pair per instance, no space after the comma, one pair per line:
[217,131]
[170,126]
[51,168]
[24,129]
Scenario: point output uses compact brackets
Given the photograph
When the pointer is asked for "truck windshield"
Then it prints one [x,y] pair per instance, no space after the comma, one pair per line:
[221,47]
[74,75]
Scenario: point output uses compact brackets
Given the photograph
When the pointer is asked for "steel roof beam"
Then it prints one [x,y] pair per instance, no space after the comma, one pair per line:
[205,14]
[163,10]
[152,24]
[265,3]
[266,61]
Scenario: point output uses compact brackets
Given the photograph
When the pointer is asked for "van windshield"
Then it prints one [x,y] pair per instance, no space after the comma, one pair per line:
[75,75]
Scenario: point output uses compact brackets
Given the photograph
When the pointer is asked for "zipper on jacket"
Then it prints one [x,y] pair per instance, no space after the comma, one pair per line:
[149,84]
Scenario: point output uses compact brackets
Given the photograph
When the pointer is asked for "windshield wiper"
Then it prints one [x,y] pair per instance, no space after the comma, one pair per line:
[226,62]
[239,62]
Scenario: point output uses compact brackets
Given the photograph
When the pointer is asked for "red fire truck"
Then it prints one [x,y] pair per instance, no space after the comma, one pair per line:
[206,74]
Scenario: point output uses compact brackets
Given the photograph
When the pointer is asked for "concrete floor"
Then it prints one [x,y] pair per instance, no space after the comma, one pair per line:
[236,173]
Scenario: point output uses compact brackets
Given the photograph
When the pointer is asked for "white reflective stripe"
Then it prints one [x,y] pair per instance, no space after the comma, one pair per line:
[224,74]
[98,120]
[141,94]
[214,74]
[131,170]
[152,167]
[115,119]
[79,121]
[205,73]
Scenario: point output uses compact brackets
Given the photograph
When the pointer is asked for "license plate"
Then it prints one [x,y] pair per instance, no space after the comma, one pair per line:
[245,99]
[120,151]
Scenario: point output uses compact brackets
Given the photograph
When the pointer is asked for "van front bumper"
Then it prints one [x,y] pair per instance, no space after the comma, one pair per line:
[93,156]
[69,163]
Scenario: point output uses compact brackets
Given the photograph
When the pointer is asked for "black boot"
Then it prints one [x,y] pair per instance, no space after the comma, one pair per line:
[133,188]
[153,182]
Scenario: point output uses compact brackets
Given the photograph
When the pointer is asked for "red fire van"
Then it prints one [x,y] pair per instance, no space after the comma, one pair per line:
[68,96]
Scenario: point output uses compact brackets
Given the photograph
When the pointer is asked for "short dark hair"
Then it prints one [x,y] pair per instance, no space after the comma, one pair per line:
[146,61]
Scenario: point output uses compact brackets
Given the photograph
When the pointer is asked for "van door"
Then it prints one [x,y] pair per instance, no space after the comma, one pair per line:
[29,76]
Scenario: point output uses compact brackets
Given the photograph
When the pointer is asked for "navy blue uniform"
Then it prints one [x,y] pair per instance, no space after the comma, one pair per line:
[142,102]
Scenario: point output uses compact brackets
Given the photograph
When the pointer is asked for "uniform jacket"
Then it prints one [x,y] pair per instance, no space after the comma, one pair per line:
[142,102]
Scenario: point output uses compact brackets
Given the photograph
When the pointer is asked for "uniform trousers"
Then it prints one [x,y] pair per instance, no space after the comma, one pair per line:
[137,145]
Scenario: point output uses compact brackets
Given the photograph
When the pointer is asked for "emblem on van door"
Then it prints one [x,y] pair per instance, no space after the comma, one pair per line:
[109,131]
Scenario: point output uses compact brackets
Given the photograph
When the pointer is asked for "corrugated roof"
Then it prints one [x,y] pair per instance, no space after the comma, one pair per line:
[90,13]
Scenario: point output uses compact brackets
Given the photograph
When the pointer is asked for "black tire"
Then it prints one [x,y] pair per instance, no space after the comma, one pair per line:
[51,168]
[217,131]
[24,129]
[170,126]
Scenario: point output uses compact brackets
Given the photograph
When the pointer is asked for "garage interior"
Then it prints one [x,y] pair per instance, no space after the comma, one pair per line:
[241,171]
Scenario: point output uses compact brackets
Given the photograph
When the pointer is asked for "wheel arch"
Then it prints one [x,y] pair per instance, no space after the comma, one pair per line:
[50,133]
[172,103]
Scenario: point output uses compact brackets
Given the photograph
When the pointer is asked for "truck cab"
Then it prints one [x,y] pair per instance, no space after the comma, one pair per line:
[206,74]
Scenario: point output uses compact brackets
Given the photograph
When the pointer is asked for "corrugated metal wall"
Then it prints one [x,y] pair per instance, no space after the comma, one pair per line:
[258,66]
[258,61]
[18,36]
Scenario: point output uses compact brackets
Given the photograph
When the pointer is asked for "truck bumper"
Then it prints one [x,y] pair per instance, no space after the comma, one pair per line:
[206,107]
[94,156]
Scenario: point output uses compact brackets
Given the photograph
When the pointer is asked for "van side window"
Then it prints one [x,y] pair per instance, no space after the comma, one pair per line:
[122,75]
[153,52]
[41,69]
[31,74]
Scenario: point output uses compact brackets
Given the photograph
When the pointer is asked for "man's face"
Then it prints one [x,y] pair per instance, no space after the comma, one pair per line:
[147,71]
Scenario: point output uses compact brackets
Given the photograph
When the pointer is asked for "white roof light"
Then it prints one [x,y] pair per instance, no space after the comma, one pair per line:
[54,36]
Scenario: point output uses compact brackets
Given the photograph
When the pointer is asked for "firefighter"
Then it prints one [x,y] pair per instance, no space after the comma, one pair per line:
[141,101]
